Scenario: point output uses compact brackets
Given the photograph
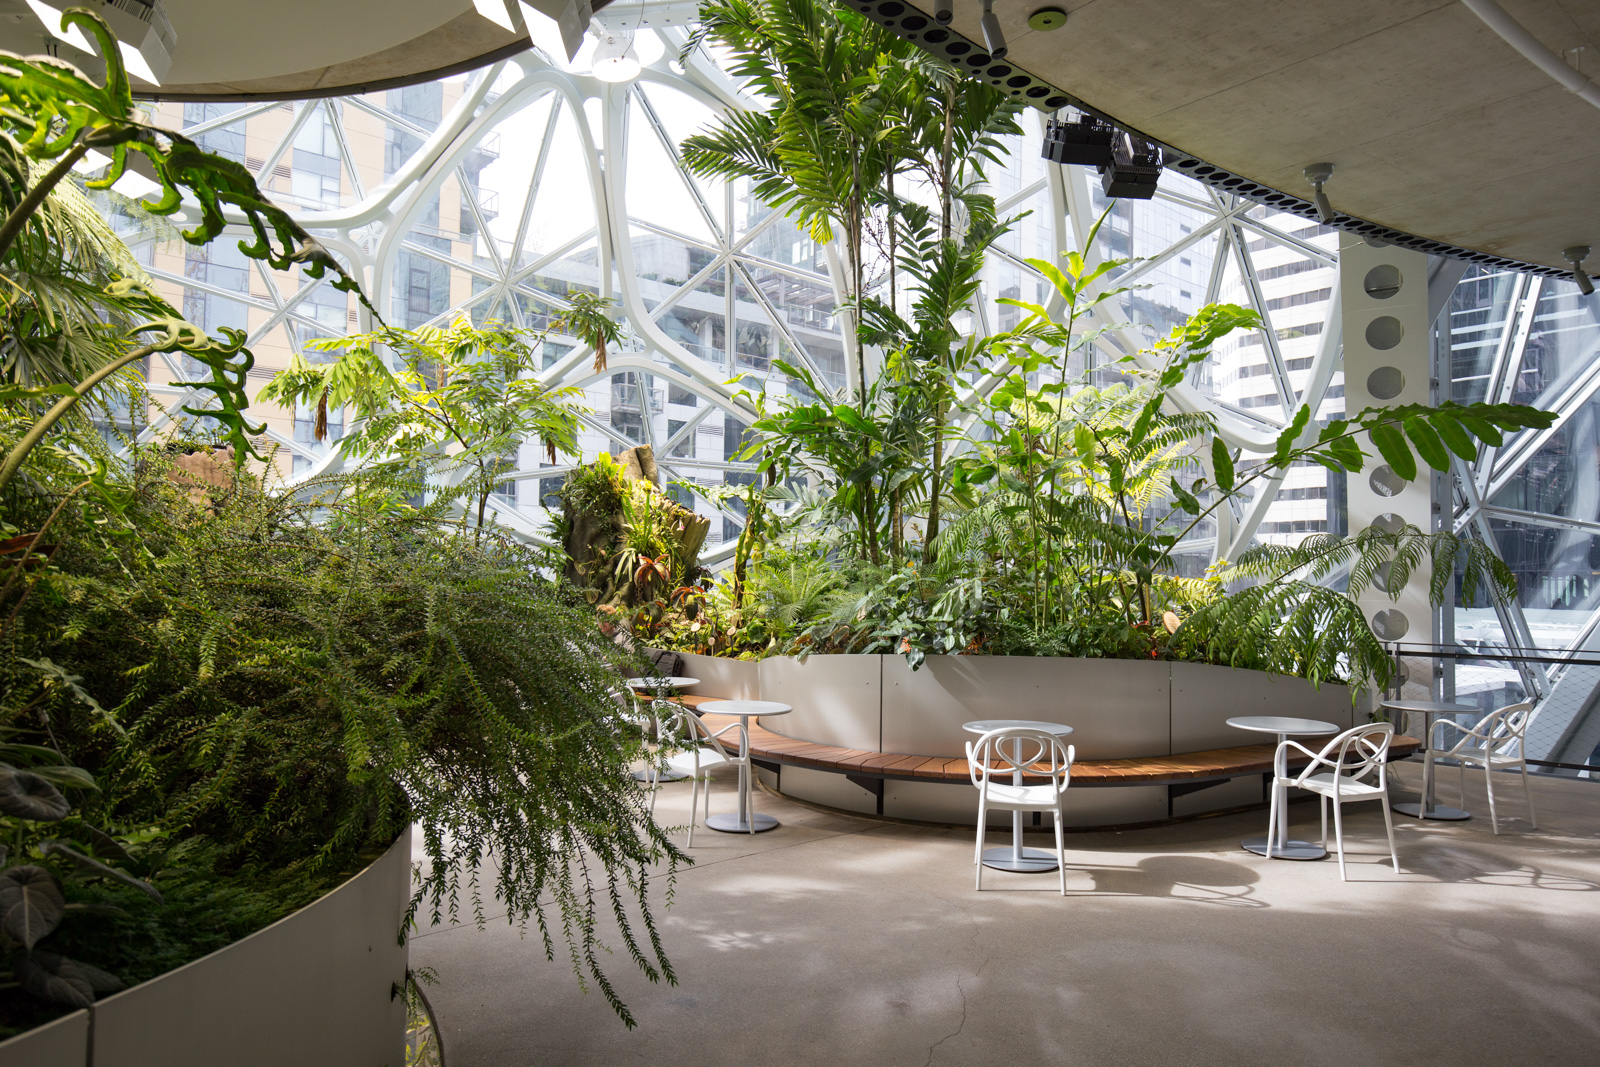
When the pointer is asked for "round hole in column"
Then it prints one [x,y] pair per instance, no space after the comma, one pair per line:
[1389,523]
[1385,482]
[1390,624]
[1384,332]
[1382,281]
[1385,383]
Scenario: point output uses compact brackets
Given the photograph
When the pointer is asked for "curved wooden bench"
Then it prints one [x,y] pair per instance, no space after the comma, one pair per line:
[1185,773]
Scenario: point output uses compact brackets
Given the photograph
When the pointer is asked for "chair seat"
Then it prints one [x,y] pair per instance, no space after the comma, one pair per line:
[710,758]
[1028,797]
[1347,787]
[1475,757]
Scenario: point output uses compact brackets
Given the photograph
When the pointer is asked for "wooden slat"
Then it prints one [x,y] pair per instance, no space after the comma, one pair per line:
[1148,770]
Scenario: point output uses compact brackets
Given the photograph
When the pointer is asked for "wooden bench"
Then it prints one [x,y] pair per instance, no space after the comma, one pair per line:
[1181,774]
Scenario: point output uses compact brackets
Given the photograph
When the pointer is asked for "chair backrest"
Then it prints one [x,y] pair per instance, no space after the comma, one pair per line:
[1000,752]
[1501,729]
[693,732]
[1354,753]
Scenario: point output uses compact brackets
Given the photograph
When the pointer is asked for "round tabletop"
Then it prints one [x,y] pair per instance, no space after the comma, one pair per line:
[673,682]
[983,726]
[744,708]
[1430,707]
[1278,724]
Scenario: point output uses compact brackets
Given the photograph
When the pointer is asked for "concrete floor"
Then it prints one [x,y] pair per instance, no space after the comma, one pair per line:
[837,940]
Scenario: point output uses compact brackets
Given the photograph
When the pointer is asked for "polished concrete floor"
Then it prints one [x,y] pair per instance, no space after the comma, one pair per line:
[837,940]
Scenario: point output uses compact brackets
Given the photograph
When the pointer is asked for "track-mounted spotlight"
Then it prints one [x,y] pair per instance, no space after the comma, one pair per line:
[1576,255]
[1318,174]
[994,38]
[944,11]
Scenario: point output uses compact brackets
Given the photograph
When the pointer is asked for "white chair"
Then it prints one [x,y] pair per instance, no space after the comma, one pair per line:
[1005,752]
[1335,774]
[1496,741]
[697,750]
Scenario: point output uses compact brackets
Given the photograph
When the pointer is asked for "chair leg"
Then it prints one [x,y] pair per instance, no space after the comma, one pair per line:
[694,797]
[977,847]
[1388,825]
[1427,781]
[1461,765]
[982,822]
[1527,795]
[1061,852]
[1338,836]
[1272,818]
[1323,804]
[1488,781]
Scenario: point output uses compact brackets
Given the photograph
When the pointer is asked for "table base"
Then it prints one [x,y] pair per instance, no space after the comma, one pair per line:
[1033,860]
[731,824]
[1442,812]
[1289,850]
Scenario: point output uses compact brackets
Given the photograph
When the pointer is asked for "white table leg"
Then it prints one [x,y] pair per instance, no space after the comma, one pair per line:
[1284,849]
[1429,807]
[742,822]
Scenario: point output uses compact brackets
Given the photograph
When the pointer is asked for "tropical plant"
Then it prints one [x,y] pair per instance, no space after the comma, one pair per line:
[51,118]
[462,401]
[852,107]
[284,683]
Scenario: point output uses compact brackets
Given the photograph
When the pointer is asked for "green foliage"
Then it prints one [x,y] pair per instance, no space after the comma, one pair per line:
[72,309]
[462,402]
[272,688]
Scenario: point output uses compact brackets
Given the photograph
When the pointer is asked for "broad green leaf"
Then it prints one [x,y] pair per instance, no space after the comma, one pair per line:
[1222,464]
[1391,445]
[1454,435]
[1291,434]
[1429,447]
[31,903]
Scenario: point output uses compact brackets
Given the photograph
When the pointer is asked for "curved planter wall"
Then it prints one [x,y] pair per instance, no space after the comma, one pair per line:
[313,990]
[1117,708]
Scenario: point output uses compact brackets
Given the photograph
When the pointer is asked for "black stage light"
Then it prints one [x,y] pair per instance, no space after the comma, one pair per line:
[1134,170]
[1081,139]
[944,11]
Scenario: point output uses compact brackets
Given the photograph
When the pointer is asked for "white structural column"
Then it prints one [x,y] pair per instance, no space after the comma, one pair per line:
[1387,362]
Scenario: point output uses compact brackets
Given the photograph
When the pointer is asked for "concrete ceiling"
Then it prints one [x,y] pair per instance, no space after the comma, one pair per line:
[1436,126]
[290,48]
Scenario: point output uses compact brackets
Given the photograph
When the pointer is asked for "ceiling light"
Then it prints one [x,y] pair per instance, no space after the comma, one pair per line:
[556,26]
[615,60]
[1047,18]
[1576,255]
[1134,169]
[50,15]
[994,38]
[1081,139]
[1318,174]
[502,13]
[944,11]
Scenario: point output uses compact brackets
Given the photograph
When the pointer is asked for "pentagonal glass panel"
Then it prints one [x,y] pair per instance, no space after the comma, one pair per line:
[657,191]
[1563,478]
[1563,341]
[697,320]
[563,205]
[1478,315]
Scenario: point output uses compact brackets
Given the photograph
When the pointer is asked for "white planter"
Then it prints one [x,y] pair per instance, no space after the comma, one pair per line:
[1118,709]
[313,989]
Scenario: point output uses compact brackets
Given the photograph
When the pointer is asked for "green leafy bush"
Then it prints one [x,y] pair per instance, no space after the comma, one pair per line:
[282,684]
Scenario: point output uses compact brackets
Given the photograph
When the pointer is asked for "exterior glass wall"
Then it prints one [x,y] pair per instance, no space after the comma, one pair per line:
[497,194]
